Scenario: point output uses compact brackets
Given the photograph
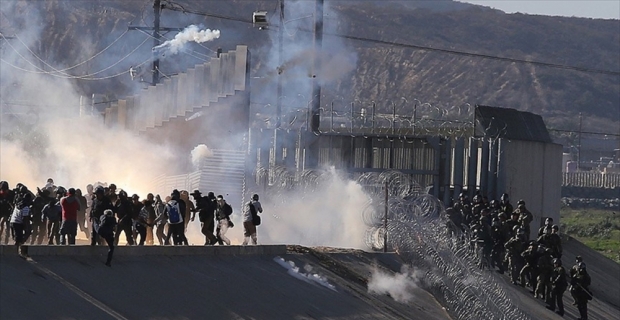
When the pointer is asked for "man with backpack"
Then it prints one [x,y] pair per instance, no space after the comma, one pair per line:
[222,215]
[175,209]
[251,219]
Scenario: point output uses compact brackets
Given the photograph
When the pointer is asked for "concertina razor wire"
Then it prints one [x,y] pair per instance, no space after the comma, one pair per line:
[417,229]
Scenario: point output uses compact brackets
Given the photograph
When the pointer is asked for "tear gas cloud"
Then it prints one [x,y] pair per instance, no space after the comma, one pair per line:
[331,215]
[399,286]
[42,135]
[76,151]
[199,153]
[190,34]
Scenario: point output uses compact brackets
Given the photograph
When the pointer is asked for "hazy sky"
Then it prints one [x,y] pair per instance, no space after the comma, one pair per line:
[606,9]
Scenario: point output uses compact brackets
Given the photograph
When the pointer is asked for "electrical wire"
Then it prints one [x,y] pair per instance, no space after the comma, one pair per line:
[63,74]
[417,47]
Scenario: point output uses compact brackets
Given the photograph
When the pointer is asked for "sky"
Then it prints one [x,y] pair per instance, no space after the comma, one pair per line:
[602,9]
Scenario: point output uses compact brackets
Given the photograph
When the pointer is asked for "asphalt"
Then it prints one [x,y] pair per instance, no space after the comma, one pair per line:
[196,283]
[237,282]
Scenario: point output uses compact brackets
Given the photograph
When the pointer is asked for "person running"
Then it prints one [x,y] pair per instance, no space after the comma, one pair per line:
[105,228]
[205,208]
[100,204]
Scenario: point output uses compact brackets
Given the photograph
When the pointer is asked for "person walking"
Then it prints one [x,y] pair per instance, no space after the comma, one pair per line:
[52,212]
[580,282]
[205,208]
[161,220]
[20,218]
[251,219]
[175,209]
[559,283]
[70,206]
[149,206]
[81,214]
[124,209]
[38,223]
[222,215]
[189,207]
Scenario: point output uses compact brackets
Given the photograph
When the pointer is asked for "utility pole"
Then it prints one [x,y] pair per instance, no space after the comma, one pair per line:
[157,30]
[316,86]
[280,71]
[156,39]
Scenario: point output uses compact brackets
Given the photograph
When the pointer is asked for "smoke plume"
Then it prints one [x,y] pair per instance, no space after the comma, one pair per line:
[399,286]
[189,34]
[199,153]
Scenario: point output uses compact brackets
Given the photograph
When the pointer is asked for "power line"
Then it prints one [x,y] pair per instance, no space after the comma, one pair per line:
[413,46]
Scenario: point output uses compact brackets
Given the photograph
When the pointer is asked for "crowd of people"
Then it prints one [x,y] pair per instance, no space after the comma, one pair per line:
[53,215]
[500,236]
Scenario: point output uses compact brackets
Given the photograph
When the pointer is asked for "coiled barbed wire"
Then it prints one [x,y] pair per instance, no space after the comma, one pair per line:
[417,230]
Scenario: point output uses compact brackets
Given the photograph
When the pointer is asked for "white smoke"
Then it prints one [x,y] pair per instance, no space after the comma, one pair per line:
[399,286]
[199,153]
[307,276]
[189,34]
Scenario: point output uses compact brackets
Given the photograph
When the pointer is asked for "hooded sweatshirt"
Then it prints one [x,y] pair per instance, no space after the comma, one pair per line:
[70,206]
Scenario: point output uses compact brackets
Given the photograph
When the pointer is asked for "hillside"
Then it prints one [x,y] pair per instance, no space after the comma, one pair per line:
[72,31]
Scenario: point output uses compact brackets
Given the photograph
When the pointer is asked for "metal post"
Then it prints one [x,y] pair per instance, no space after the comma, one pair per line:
[156,39]
[393,116]
[280,70]
[385,219]
[316,86]
[579,150]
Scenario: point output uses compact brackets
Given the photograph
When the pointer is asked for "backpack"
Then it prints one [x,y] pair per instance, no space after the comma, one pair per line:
[106,225]
[255,217]
[174,212]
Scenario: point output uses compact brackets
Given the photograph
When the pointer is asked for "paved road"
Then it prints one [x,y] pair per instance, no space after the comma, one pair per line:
[58,285]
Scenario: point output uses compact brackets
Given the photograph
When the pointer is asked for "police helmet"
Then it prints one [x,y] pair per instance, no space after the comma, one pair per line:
[108,212]
[521,201]
[581,265]
[578,258]
[555,227]
[548,221]
[557,261]
[477,198]
[504,197]
[61,191]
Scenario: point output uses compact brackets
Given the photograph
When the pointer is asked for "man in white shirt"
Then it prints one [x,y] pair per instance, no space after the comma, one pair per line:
[251,219]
